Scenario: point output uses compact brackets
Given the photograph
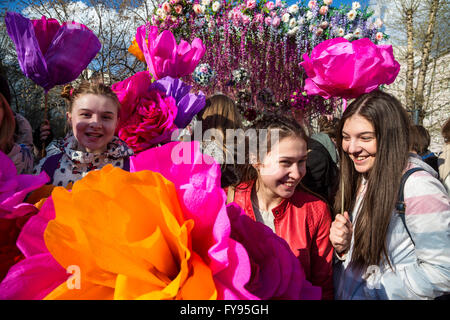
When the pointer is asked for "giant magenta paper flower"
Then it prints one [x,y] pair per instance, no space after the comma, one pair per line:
[13,212]
[14,188]
[50,54]
[164,56]
[146,116]
[339,68]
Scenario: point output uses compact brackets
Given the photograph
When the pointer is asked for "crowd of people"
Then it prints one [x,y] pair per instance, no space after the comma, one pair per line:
[363,204]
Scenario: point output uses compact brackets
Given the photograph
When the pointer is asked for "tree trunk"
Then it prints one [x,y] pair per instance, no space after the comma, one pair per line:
[420,86]
[409,89]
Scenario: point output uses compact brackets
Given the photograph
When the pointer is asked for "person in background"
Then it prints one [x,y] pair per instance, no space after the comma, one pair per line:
[383,250]
[268,192]
[420,143]
[417,144]
[15,133]
[444,158]
[322,170]
[93,110]
[219,114]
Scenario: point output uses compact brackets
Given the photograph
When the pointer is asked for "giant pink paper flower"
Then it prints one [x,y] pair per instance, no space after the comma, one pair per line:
[164,57]
[14,188]
[339,68]
[50,54]
[147,115]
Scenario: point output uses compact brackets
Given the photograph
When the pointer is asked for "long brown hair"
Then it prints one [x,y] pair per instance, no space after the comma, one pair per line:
[392,124]
[7,126]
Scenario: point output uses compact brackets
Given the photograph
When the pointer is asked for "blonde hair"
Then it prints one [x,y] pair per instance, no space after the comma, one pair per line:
[7,126]
[70,94]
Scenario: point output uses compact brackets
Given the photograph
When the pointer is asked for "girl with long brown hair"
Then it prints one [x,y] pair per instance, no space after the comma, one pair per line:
[382,255]
[270,192]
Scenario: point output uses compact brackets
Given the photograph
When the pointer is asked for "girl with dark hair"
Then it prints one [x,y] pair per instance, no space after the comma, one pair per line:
[385,251]
[93,110]
[270,192]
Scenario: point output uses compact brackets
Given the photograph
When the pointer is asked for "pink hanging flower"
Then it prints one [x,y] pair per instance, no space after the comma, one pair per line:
[251,4]
[164,57]
[270,5]
[276,22]
[323,10]
[339,68]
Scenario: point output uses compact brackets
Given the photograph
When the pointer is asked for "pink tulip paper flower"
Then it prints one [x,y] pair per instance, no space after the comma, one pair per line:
[50,54]
[164,57]
[339,68]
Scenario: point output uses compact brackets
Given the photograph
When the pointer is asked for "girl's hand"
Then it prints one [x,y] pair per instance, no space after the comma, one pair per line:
[341,233]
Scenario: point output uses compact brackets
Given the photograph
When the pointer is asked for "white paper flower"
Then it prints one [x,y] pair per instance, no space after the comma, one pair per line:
[357,33]
[206,2]
[292,23]
[293,31]
[351,15]
[309,15]
[216,6]
[349,36]
[285,17]
[356,5]
[293,9]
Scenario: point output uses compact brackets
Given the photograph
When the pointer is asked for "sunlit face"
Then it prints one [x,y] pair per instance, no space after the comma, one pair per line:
[283,167]
[359,142]
[94,120]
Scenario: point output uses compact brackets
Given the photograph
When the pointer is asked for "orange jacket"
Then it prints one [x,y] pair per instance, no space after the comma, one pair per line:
[304,221]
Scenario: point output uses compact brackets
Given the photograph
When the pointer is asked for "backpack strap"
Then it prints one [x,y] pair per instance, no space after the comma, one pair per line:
[400,207]
[51,164]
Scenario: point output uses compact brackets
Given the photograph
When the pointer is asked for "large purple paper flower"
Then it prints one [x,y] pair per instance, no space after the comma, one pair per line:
[50,54]
[339,68]
[14,188]
[188,104]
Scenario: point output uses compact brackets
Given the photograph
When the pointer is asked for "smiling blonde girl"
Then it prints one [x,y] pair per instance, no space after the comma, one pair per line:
[93,110]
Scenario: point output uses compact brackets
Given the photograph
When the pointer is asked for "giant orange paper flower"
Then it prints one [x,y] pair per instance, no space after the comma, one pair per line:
[126,249]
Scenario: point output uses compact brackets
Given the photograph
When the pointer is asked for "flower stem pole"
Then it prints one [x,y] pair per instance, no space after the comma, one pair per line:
[45,120]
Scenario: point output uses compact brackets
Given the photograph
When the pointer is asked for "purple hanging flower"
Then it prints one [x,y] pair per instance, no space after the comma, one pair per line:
[50,54]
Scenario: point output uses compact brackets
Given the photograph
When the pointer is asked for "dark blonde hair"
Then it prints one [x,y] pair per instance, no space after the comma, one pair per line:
[419,139]
[7,126]
[70,94]
[392,125]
